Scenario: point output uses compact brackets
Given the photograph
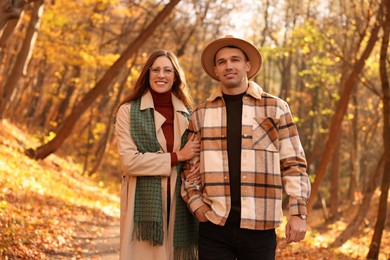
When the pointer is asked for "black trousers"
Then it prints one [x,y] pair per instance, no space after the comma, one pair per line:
[230,242]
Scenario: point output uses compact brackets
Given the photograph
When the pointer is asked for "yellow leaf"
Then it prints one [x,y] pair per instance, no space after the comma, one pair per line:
[4,204]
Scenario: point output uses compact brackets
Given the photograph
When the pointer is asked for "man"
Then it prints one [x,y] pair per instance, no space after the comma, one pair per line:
[250,149]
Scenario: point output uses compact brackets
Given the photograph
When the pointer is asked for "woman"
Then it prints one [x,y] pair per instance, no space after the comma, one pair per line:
[151,130]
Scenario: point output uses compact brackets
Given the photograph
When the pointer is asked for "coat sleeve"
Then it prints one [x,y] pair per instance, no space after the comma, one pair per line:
[293,164]
[133,162]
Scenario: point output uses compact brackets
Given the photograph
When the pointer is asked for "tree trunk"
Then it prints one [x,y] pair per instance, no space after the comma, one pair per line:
[51,107]
[341,109]
[354,180]
[287,61]
[80,107]
[9,11]
[334,188]
[315,146]
[23,57]
[69,90]
[382,209]
[36,91]
[89,144]
[8,31]
[45,113]
[363,209]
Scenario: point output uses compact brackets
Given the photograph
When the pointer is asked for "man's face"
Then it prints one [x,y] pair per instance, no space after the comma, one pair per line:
[231,67]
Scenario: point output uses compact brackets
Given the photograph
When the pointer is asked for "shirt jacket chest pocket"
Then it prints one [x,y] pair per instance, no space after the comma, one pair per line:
[265,134]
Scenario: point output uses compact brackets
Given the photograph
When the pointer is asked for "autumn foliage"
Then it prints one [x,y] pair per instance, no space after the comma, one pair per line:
[66,65]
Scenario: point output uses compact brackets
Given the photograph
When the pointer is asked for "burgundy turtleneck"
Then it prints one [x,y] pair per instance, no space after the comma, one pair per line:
[163,104]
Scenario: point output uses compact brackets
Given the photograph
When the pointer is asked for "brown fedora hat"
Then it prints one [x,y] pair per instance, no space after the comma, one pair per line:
[208,55]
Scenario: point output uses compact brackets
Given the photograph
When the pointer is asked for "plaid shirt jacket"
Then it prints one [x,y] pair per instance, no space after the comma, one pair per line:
[271,156]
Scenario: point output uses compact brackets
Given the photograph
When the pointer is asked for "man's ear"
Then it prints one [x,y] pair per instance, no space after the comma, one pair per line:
[248,66]
[215,71]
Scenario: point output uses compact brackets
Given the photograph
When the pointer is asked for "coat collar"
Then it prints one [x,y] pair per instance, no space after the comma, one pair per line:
[178,105]
[180,120]
[253,90]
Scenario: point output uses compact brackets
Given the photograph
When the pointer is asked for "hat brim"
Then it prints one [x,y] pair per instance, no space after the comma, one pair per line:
[208,55]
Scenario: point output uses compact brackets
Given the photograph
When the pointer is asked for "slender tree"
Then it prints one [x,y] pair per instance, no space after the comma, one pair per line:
[341,109]
[335,181]
[23,57]
[384,72]
[363,208]
[9,11]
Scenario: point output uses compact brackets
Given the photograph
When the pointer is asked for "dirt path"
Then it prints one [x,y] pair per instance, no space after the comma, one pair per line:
[105,246]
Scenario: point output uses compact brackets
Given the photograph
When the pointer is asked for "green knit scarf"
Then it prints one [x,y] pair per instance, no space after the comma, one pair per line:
[148,220]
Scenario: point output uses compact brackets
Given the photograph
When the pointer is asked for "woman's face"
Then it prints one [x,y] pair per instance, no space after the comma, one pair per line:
[161,75]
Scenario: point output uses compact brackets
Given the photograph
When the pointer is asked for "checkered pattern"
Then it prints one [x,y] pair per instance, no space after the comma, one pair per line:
[271,156]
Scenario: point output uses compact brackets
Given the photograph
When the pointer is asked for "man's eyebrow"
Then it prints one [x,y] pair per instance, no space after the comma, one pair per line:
[237,56]
[234,56]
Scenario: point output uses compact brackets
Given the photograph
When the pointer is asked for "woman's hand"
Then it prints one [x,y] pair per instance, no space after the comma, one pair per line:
[191,149]
[194,174]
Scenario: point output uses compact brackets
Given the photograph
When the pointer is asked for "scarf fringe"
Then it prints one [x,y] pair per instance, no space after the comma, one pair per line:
[186,253]
[151,231]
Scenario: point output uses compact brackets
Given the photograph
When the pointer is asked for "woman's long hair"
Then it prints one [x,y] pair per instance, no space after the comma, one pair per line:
[179,87]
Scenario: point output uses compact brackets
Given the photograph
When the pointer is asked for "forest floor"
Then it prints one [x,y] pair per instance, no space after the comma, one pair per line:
[48,210]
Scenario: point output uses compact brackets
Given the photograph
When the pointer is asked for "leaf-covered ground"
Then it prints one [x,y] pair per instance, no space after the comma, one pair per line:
[49,211]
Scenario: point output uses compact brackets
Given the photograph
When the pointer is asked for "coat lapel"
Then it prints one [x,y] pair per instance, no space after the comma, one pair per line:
[180,121]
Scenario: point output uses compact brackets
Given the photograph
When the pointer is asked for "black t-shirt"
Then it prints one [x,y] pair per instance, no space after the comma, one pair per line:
[234,121]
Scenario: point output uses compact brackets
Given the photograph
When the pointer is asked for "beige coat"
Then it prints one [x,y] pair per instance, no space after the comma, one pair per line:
[148,164]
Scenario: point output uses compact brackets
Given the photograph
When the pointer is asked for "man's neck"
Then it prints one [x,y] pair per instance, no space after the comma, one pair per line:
[235,90]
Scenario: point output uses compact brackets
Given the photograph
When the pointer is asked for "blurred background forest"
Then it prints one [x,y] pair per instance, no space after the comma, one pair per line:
[65,66]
